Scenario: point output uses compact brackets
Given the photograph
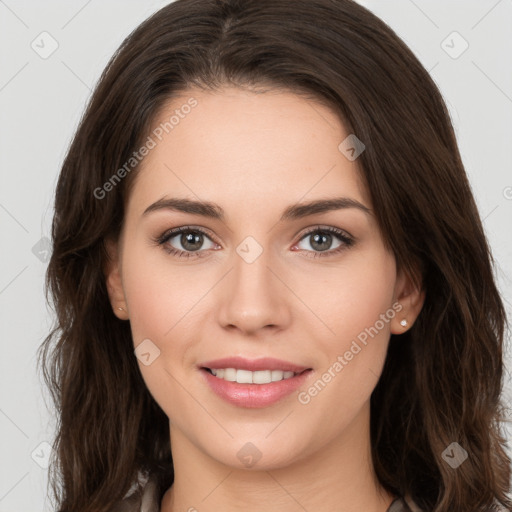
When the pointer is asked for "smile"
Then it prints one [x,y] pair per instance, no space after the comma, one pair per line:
[253,389]
[248,377]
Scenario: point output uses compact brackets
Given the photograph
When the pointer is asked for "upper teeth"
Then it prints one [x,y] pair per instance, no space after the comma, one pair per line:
[248,377]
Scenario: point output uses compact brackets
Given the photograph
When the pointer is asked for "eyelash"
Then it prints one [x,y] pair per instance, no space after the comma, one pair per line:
[346,240]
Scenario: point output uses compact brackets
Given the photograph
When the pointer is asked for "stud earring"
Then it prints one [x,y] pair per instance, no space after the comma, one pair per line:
[403,322]
[120,309]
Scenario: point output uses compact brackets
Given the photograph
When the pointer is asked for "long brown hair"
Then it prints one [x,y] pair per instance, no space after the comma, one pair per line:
[442,379]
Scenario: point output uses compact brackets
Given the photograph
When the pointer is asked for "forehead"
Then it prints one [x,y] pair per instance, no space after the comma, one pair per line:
[241,148]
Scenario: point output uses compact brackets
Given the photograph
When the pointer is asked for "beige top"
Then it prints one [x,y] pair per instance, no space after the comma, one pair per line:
[143,497]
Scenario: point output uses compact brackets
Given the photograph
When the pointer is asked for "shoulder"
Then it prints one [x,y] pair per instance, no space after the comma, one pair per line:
[405,504]
[149,499]
[141,497]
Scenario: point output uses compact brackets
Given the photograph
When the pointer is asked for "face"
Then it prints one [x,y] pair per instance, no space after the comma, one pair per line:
[283,289]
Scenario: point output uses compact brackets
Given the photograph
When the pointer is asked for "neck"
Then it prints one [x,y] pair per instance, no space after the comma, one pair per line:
[339,477]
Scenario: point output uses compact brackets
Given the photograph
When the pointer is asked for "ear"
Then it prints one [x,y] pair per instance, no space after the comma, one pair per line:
[112,272]
[409,293]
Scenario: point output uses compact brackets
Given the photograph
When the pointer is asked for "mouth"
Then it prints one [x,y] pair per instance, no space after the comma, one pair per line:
[253,384]
[252,377]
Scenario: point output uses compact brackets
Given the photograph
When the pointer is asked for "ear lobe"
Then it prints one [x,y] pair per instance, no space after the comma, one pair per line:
[411,296]
[112,273]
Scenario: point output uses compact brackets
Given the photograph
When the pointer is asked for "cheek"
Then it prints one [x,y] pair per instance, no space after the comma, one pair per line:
[161,306]
[351,296]
[357,307]
[160,297]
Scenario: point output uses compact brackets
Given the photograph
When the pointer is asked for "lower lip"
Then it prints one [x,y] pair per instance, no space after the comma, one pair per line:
[254,395]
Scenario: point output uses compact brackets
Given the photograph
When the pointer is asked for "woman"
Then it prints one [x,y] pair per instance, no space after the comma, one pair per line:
[272,285]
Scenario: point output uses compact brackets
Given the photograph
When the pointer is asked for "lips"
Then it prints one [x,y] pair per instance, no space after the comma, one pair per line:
[253,365]
[252,395]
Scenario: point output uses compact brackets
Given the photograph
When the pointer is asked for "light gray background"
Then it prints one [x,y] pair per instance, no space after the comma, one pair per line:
[41,100]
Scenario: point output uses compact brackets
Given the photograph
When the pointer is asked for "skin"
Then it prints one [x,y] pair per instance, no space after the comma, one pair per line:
[255,155]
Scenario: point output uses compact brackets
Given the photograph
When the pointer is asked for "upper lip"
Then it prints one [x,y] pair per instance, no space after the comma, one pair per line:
[253,365]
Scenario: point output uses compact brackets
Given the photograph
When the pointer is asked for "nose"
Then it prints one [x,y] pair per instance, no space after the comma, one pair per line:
[253,297]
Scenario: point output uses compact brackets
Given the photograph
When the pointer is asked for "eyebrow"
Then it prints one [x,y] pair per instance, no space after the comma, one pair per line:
[293,212]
